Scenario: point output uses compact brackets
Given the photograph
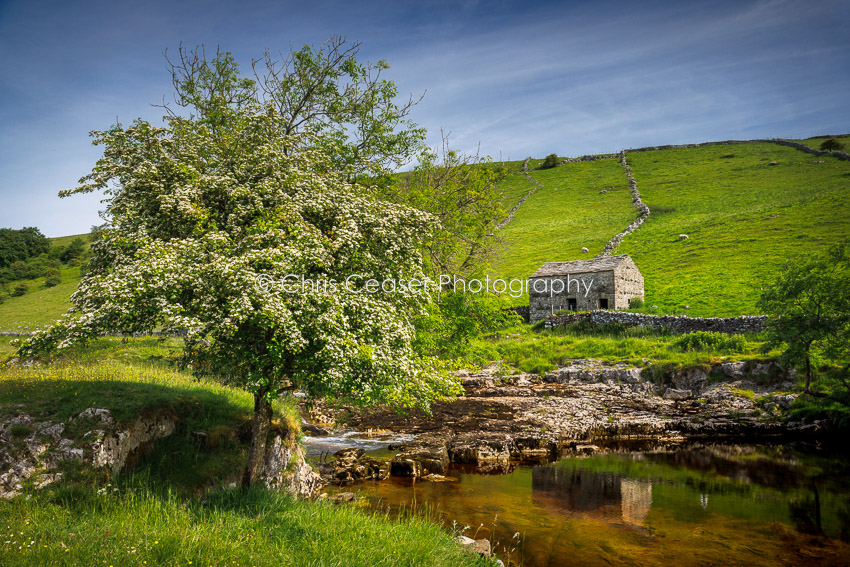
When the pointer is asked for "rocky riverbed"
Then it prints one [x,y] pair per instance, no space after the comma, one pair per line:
[504,420]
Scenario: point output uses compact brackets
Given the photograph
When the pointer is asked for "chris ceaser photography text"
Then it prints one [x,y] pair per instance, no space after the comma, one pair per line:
[357,283]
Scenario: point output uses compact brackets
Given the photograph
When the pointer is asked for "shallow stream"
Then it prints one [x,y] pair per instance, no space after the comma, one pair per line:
[694,505]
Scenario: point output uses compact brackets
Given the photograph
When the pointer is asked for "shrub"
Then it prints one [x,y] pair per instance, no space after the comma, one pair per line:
[710,341]
[52,277]
[636,303]
[552,160]
[74,250]
[831,145]
[20,289]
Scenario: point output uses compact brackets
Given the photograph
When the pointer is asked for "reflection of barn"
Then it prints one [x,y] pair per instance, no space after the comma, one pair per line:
[606,495]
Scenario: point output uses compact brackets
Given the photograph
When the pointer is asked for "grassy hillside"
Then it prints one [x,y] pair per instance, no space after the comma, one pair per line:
[39,306]
[567,213]
[744,217]
[42,305]
[66,240]
[817,141]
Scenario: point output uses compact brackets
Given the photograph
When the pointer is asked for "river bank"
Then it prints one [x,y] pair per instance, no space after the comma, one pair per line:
[581,407]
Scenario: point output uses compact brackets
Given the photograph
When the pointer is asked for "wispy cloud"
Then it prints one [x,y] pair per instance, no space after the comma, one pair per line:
[518,78]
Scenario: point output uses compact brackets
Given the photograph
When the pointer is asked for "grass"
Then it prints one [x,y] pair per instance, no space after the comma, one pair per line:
[134,526]
[564,215]
[40,305]
[745,219]
[161,512]
[540,351]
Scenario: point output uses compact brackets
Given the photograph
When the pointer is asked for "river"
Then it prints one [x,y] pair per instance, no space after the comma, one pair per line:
[697,504]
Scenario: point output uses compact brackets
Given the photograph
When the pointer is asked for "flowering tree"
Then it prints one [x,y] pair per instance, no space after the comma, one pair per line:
[228,228]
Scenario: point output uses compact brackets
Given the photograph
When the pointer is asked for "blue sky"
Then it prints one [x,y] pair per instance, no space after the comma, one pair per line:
[519,78]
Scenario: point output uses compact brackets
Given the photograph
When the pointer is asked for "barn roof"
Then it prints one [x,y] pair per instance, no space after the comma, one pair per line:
[605,264]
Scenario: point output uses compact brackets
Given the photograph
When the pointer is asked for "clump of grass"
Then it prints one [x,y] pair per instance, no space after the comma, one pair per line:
[710,341]
[161,512]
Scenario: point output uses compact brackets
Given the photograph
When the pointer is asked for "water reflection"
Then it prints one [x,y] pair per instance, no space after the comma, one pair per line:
[692,506]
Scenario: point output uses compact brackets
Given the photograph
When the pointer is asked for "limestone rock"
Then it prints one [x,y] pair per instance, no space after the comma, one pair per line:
[116,446]
[437,478]
[286,469]
[762,368]
[432,459]
[693,379]
[480,546]
[475,449]
[102,415]
[734,369]
[343,497]
[786,401]
[405,467]
[677,395]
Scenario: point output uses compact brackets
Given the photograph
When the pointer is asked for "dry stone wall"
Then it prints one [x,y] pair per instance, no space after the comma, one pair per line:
[589,158]
[643,210]
[808,150]
[676,323]
[521,202]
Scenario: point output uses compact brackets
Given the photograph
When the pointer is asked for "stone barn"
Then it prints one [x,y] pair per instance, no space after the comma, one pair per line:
[583,285]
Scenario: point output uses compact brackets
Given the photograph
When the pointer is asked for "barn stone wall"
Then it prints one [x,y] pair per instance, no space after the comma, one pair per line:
[629,284]
[587,289]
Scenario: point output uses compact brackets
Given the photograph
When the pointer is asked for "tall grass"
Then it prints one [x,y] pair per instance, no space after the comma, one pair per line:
[134,526]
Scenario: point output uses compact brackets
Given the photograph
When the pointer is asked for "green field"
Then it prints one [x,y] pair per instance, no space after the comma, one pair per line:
[744,218]
[41,305]
[816,142]
[567,213]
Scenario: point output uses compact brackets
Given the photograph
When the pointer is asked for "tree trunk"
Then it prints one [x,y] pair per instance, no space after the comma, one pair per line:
[259,436]
[808,373]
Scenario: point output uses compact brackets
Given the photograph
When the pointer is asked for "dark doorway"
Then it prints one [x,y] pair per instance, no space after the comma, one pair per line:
[571,304]
[603,303]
